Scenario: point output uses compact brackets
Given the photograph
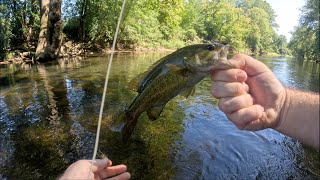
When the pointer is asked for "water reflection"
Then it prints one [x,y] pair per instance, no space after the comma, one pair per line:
[49,113]
[295,74]
[214,148]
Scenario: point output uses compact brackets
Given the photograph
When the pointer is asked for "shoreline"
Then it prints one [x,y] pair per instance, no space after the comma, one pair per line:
[74,50]
[103,52]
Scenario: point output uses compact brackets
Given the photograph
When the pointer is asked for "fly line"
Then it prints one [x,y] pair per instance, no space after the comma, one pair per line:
[106,86]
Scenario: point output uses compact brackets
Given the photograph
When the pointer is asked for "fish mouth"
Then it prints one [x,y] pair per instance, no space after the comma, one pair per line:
[216,59]
[221,59]
[223,52]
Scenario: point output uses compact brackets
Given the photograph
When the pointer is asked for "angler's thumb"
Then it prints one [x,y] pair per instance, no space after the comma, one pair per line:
[99,164]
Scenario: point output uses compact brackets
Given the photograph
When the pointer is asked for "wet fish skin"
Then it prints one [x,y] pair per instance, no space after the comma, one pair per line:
[174,74]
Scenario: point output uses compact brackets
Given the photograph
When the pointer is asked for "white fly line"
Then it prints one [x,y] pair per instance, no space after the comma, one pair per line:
[105,87]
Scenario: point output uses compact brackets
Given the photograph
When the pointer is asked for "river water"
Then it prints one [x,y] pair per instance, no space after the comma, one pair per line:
[49,113]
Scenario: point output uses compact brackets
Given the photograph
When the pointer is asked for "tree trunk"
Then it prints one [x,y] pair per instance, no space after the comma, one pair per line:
[24,17]
[44,11]
[83,12]
[31,22]
[50,36]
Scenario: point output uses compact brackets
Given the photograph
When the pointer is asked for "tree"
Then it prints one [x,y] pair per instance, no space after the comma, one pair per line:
[247,25]
[142,27]
[280,44]
[170,12]
[50,37]
[306,36]
[302,44]
[5,29]
[29,26]
[260,38]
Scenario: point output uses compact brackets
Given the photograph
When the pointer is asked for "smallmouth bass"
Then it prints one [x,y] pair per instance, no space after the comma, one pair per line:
[174,74]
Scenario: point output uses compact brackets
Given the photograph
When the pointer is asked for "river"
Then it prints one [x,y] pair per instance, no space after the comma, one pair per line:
[49,113]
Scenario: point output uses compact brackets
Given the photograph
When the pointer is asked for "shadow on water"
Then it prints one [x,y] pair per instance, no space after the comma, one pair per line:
[49,115]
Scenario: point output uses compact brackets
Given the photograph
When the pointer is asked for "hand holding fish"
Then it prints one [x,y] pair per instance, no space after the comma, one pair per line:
[253,99]
[251,96]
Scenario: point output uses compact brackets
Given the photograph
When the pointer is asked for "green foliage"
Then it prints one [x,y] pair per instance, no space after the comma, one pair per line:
[170,17]
[305,42]
[101,26]
[280,45]
[142,26]
[71,29]
[19,23]
[190,21]
[247,25]
[225,23]
[260,35]
[5,31]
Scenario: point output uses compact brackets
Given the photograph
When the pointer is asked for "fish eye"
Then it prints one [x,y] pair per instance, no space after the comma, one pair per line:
[211,47]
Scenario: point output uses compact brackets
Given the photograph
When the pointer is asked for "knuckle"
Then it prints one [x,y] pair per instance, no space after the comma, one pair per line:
[238,89]
[246,87]
[220,75]
[240,126]
[222,105]
[214,90]
[240,123]
[258,111]
[248,99]
[237,119]
[232,118]
[238,57]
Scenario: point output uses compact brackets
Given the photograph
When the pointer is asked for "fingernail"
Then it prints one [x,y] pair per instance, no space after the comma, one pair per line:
[105,161]
[241,76]
[246,87]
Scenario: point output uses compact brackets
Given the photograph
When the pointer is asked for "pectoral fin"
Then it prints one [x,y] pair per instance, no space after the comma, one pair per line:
[154,113]
[188,92]
[178,70]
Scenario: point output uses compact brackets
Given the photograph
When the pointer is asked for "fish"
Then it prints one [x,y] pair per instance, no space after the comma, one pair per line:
[174,74]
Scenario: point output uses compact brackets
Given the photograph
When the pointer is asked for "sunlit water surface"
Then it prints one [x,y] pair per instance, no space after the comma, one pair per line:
[49,113]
